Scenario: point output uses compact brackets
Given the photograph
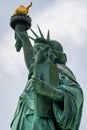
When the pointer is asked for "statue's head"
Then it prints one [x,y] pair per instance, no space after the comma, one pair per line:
[48,48]
[40,52]
[57,55]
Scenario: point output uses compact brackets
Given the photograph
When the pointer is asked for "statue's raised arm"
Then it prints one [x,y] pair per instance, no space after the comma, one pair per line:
[21,22]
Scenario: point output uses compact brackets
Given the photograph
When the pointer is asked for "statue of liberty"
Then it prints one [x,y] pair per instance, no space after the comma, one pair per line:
[52,98]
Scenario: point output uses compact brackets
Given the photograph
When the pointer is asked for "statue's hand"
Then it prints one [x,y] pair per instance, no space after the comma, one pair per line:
[43,88]
[37,85]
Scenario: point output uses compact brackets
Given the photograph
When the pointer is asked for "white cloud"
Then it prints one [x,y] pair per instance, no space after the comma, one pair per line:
[66,21]
[11,62]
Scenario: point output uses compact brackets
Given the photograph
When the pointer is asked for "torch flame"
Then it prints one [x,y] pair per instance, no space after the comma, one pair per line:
[23,9]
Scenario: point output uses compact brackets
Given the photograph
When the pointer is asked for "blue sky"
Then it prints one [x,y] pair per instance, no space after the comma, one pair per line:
[67,22]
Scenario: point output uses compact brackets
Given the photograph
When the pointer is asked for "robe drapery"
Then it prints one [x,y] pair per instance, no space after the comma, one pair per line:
[66,113]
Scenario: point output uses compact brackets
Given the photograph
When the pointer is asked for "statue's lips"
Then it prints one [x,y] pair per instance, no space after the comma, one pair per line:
[20,18]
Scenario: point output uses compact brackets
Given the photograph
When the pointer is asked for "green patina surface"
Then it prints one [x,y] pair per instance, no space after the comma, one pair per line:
[52,98]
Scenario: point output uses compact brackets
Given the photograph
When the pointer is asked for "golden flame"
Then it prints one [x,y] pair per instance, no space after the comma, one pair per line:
[23,9]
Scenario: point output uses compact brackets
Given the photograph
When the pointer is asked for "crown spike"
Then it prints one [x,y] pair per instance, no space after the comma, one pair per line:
[48,36]
[34,33]
[31,38]
[41,34]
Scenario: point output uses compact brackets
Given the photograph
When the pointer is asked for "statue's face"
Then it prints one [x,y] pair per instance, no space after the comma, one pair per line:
[40,52]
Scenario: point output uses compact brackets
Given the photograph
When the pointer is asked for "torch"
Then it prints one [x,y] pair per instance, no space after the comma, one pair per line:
[20,21]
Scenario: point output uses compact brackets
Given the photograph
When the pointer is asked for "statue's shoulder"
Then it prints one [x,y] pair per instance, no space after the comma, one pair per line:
[63,69]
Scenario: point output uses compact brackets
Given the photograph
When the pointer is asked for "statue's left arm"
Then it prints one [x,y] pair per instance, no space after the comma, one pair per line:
[67,101]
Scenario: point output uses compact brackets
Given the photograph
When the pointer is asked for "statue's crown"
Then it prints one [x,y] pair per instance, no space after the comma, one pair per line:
[40,39]
[53,43]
